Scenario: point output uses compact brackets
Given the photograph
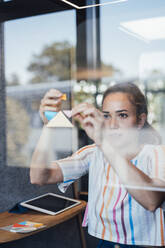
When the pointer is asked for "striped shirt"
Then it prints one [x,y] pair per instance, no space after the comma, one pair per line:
[113,214]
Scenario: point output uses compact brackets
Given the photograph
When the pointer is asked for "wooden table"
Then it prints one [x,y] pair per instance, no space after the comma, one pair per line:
[49,220]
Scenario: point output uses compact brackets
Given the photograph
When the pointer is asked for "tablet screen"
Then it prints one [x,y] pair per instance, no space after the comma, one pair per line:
[51,203]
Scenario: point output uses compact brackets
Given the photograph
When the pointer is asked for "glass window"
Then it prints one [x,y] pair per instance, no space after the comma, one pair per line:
[132,42]
[40,54]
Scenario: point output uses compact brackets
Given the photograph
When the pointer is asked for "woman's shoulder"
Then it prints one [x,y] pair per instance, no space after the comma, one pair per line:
[87,149]
[153,150]
[153,147]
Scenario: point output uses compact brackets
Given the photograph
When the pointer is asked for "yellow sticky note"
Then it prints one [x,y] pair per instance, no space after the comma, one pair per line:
[38,225]
[34,224]
[64,97]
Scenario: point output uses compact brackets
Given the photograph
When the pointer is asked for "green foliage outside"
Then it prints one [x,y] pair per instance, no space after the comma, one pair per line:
[53,63]
[57,62]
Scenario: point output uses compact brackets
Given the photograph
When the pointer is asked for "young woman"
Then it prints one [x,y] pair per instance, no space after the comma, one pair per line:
[126,167]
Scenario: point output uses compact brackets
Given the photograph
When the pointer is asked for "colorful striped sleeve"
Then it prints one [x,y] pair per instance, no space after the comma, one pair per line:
[158,169]
[75,166]
[159,165]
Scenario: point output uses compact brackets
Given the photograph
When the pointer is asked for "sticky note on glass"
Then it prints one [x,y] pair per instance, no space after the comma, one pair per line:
[64,97]
[60,120]
[50,115]
[23,227]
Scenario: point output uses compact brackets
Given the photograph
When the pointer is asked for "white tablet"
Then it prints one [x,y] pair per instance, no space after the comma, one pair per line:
[50,203]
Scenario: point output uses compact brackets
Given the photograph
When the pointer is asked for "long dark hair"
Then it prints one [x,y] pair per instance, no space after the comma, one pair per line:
[148,133]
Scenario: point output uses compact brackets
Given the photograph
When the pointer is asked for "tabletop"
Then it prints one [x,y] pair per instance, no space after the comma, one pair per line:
[35,216]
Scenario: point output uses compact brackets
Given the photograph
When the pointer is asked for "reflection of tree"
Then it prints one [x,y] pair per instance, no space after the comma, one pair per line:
[56,62]
[13,80]
[110,69]
[17,132]
[53,63]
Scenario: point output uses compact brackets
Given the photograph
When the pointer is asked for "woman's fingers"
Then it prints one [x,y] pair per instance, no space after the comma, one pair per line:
[79,109]
[50,102]
[89,120]
[94,128]
[93,112]
[84,110]
[79,118]
[49,108]
[96,123]
[53,93]
[52,97]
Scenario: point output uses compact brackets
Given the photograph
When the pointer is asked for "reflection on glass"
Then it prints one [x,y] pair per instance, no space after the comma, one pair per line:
[43,60]
[92,3]
[146,29]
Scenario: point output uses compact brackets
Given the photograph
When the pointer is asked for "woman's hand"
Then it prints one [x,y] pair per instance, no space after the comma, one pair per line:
[50,102]
[91,119]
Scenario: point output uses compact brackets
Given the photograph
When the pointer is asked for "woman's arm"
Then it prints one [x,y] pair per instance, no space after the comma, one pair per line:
[42,170]
[130,176]
[134,179]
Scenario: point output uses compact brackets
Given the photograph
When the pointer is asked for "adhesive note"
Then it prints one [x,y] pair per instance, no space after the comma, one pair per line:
[50,115]
[18,225]
[68,113]
[60,120]
[23,227]
[64,97]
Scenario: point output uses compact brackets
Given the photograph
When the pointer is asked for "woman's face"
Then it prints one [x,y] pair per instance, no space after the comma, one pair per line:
[120,118]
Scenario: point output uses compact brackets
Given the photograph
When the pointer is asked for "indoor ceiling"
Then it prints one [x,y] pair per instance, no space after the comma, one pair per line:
[13,9]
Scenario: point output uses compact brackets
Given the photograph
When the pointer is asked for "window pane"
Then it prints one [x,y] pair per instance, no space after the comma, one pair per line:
[132,42]
[40,54]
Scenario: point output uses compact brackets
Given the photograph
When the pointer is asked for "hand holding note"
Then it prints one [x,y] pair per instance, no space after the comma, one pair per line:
[51,104]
